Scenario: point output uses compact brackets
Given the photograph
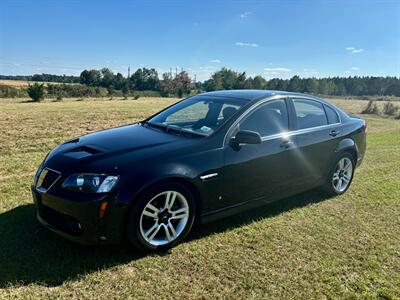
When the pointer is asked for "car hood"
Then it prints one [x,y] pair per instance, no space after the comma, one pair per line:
[106,144]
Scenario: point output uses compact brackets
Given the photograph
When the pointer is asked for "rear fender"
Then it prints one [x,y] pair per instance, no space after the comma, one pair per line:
[348,144]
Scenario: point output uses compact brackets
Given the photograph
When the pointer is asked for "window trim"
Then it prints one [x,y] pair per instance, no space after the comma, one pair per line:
[311,100]
[225,140]
[291,115]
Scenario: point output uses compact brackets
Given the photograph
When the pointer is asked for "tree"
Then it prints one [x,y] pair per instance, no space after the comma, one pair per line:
[223,79]
[125,90]
[259,83]
[167,85]
[311,86]
[107,77]
[145,79]
[36,91]
[241,81]
[92,77]
[182,83]
[295,84]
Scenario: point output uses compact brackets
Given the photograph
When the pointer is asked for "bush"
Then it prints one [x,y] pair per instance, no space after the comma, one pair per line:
[75,91]
[371,108]
[135,97]
[389,109]
[11,92]
[36,91]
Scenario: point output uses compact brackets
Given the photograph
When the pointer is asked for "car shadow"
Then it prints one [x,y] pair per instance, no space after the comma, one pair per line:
[256,214]
[29,253]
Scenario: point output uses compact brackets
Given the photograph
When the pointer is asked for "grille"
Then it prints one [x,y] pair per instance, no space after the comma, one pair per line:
[46,179]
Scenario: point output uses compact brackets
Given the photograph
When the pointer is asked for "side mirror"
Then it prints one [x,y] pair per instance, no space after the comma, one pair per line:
[246,137]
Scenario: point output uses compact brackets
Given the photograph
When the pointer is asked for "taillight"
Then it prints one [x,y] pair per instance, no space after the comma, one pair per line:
[365,127]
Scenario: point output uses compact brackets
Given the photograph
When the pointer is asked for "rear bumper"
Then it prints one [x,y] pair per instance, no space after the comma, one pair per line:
[79,221]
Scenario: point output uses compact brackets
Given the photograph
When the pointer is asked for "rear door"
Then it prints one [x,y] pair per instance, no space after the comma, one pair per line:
[316,136]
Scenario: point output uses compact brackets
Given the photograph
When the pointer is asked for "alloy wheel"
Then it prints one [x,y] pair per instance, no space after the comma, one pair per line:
[342,175]
[164,218]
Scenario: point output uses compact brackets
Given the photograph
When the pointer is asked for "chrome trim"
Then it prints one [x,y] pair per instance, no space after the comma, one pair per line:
[296,132]
[322,103]
[41,189]
[208,176]
[287,133]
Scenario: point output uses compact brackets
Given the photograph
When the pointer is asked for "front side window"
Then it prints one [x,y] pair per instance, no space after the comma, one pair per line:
[309,113]
[199,115]
[268,119]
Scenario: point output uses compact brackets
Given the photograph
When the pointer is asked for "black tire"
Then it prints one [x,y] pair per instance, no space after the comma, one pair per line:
[329,187]
[134,233]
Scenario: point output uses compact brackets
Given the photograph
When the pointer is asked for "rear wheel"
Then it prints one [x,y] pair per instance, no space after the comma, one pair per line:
[162,217]
[341,175]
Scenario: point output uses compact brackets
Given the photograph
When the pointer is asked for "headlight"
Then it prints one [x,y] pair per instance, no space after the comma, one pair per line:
[90,183]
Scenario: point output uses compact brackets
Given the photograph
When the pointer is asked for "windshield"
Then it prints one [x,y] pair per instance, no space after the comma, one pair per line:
[200,115]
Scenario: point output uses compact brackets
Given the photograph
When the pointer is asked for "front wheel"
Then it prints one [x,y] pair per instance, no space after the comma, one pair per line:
[341,175]
[162,218]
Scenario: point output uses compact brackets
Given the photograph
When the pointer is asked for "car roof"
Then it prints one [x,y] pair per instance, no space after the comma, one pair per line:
[253,94]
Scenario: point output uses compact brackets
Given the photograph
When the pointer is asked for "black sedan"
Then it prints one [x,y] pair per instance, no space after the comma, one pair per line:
[203,158]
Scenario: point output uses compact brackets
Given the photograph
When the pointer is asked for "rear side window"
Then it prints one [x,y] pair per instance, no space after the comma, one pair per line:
[332,115]
[309,113]
[270,118]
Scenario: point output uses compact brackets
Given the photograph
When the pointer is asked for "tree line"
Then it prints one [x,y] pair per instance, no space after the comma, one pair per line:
[143,79]
[43,77]
[226,79]
[180,84]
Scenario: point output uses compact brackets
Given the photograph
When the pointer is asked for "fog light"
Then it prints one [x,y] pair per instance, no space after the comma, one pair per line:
[102,210]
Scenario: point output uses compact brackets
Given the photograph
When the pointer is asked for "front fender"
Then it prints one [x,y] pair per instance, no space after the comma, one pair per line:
[137,183]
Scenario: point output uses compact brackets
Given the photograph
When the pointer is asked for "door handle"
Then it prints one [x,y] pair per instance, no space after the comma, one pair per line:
[334,132]
[286,144]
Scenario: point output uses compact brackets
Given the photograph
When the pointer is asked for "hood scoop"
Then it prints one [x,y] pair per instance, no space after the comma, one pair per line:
[81,152]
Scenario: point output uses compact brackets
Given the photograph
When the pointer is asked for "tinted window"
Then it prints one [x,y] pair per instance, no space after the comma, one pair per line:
[331,115]
[309,113]
[270,118]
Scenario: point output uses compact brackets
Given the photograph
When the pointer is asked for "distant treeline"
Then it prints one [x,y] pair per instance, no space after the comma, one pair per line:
[104,81]
[43,77]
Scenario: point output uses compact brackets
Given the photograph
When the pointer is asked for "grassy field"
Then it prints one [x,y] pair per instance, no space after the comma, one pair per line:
[302,247]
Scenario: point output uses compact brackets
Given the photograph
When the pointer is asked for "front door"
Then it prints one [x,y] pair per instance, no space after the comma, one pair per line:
[260,171]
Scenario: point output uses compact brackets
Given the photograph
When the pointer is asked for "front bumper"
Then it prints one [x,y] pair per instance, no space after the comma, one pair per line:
[80,221]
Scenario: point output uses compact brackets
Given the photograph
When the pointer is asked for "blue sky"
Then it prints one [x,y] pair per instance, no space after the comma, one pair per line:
[270,38]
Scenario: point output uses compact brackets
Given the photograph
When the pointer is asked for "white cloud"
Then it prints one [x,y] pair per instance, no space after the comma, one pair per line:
[245,14]
[242,44]
[277,70]
[354,50]
[217,61]
[355,68]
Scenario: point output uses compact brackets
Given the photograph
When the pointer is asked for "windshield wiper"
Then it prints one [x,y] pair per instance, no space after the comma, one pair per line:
[173,128]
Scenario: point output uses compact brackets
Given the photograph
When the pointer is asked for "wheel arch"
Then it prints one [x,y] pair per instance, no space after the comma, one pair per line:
[187,182]
[348,145]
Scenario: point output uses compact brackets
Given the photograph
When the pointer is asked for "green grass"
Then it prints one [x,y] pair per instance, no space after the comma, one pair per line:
[302,247]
